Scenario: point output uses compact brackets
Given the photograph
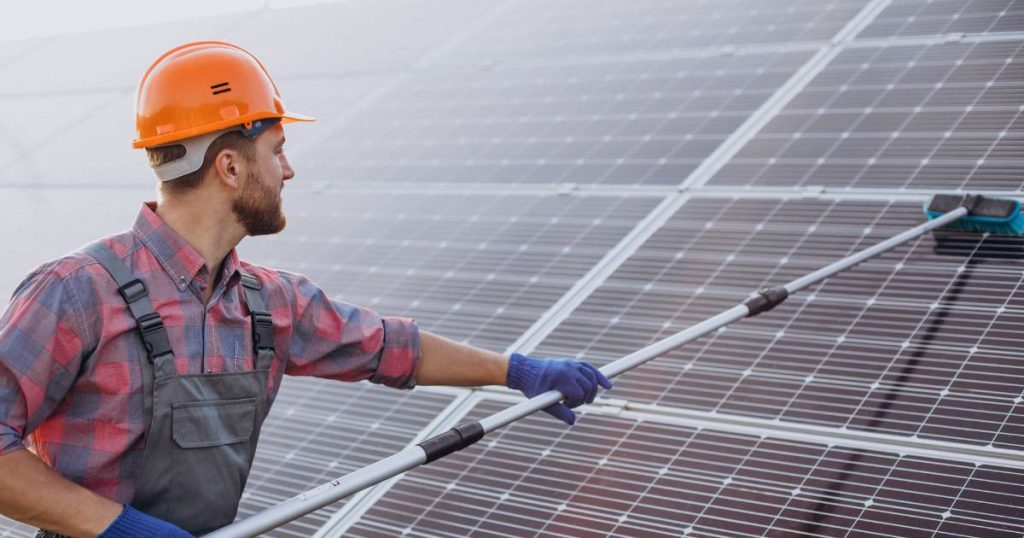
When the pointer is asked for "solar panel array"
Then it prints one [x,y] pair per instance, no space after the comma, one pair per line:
[643,121]
[913,342]
[474,267]
[582,29]
[613,476]
[583,178]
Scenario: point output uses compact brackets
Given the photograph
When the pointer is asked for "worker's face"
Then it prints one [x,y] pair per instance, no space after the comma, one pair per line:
[258,205]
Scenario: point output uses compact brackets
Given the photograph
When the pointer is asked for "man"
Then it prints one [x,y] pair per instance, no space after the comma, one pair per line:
[139,370]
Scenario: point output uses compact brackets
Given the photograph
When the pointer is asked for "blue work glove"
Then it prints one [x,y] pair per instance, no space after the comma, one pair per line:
[577,380]
[132,523]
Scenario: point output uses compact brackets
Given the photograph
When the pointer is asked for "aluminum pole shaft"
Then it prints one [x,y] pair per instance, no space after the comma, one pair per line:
[323,495]
[870,252]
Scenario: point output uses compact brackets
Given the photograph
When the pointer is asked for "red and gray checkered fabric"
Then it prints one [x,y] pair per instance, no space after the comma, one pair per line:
[70,380]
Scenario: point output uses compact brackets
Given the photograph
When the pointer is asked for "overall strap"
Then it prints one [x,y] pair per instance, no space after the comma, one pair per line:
[133,291]
[262,322]
[150,325]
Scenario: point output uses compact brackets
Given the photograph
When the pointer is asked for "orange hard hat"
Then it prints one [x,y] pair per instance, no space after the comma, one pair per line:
[204,87]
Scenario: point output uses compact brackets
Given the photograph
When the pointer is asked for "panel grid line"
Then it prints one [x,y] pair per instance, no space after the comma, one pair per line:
[364,500]
[557,313]
[835,343]
[782,97]
[822,217]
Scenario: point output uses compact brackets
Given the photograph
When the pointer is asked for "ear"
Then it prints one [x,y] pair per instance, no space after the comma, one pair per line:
[229,168]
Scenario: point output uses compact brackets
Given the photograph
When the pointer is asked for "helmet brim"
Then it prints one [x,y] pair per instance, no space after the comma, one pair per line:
[290,117]
[170,138]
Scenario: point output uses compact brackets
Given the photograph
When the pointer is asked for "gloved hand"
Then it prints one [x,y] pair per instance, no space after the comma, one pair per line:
[132,523]
[577,380]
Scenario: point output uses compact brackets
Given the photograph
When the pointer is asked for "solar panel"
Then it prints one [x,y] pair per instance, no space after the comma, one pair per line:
[325,97]
[913,342]
[478,267]
[32,122]
[14,529]
[929,17]
[57,221]
[624,121]
[53,150]
[616,476]
[483,166]
[939,116]
[62,158]
[319,430]
[535,28]
[340,38]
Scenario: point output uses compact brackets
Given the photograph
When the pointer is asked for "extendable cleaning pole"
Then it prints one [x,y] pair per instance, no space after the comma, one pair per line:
[983,215]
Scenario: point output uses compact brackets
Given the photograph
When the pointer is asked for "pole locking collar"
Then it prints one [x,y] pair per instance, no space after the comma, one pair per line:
[766,299]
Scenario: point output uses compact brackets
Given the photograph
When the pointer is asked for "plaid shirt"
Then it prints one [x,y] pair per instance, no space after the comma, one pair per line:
[70,380]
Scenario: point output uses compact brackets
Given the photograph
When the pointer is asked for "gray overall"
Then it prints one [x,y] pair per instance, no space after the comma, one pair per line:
[202,428]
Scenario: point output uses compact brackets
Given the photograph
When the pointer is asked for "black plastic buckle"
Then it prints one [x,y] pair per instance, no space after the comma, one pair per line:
[156,358]
[150,323]
[132,291]
[263,330]
[154,336]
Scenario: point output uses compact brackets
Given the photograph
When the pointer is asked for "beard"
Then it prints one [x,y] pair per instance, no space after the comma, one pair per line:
[258,207]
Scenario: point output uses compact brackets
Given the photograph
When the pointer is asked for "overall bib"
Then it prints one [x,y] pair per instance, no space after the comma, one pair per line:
[202,428]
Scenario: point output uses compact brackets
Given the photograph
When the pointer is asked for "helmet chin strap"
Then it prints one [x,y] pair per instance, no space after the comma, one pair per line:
[195,149]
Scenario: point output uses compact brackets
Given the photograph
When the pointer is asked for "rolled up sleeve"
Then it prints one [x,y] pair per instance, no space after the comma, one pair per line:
[12,421]
[42,341]
[338,340]
[400,353]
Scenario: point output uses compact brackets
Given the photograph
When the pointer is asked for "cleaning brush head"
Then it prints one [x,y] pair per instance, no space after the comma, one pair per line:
[997,216]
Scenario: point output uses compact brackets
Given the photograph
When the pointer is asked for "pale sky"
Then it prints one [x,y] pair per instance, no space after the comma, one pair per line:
[23,19]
